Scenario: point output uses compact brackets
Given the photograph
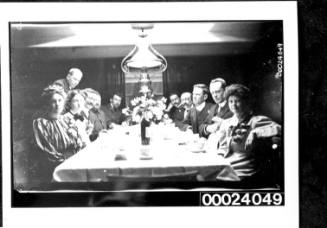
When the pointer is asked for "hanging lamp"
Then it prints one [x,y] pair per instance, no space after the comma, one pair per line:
[143,58]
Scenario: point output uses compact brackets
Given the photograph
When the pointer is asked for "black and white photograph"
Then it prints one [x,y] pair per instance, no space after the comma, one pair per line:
[116,106]
[141,112]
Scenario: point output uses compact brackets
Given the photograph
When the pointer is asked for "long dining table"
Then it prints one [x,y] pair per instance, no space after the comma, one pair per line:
[119,152]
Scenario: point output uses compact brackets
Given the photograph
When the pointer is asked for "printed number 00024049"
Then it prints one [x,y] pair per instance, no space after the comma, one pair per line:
[242,199]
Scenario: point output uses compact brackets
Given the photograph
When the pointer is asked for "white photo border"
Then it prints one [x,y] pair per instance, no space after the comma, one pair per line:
[284,216]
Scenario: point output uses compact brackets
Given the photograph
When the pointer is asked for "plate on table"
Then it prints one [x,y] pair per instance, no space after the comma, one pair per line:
[197,150]
[146,158]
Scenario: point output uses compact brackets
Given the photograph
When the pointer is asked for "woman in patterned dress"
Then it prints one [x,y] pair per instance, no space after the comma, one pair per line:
[55,137]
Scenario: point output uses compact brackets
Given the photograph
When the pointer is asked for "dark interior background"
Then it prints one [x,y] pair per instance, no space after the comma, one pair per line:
[313,110]
[32,69]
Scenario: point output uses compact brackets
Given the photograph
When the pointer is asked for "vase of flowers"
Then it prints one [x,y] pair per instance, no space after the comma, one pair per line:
[146,111]
[150,109]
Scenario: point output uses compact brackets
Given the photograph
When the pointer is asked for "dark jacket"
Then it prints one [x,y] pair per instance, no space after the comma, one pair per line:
[176,114]
[99,121]
[113,115]
[195,119]
[63,83]
[223,113]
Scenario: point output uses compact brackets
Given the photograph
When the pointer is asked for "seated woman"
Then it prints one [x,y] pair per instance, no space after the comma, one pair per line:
[239,135]
[55,138]
[77,113]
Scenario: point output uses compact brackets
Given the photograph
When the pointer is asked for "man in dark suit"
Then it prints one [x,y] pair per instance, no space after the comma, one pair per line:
[113,111]
[187,103]
[72,79]
[174,110]
[219,111]
[201,110]
[95,115]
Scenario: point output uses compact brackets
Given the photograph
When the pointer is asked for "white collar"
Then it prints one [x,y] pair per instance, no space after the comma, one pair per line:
[200,107]
[86,112]
[222,104]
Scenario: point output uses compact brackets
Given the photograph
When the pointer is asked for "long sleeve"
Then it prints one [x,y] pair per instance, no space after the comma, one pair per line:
[44,143]
[224,137]
[54,139]
[122,117]
[237,142]
[202,128]
[62,83]
[264,127]
[186,123]
[224,113]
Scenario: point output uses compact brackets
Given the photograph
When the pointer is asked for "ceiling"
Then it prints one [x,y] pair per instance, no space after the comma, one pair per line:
[111,40]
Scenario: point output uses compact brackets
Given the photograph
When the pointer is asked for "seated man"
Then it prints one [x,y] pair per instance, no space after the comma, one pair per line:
[113,111]
[201,109]
[219,111]
[146,92]
[96,116]
[72,79]
[175,110]
[186,102]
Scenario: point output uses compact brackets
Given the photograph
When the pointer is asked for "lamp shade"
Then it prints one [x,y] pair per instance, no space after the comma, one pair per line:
[143,58]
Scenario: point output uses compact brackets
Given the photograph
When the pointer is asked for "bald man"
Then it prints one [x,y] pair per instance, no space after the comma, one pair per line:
[72,79]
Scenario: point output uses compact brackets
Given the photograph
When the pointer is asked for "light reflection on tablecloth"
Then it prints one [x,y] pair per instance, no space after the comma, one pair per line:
[170,151]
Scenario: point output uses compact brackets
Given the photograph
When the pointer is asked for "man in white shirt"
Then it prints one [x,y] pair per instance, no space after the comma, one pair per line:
[219,111]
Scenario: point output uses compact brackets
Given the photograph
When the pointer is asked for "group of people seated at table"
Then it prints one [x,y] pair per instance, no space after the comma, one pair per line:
[73,118]
[70,119]
[230,124]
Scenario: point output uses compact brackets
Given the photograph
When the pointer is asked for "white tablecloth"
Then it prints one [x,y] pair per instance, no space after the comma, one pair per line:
[165,155]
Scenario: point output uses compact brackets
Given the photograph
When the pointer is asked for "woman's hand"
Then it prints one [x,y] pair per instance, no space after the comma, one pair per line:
[89,128]
[250,141]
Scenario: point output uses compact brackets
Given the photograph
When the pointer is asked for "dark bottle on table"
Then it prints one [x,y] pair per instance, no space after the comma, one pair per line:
[145,139]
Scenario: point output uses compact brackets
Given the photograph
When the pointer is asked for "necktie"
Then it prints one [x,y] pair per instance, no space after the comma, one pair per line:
[218,112]
[78,117]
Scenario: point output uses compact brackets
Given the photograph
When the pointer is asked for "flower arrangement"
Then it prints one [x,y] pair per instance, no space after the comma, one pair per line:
[148,108]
